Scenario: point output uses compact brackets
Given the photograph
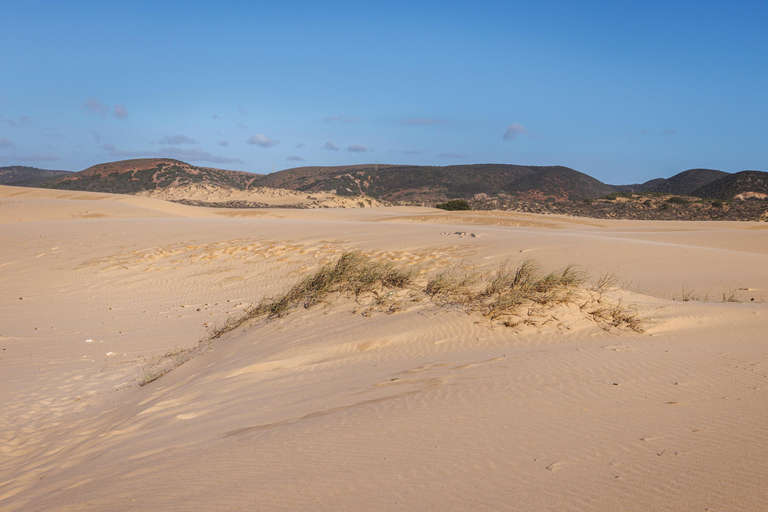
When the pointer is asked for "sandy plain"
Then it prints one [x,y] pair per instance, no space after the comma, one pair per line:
[327,409]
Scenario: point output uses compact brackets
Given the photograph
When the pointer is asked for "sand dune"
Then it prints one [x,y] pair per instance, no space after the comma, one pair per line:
[326,409]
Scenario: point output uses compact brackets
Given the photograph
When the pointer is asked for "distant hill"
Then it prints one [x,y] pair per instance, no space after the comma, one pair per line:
[687,181]
[132,176]
[429,183]
[680,184]
[732,184]
[410,184]
[27,176]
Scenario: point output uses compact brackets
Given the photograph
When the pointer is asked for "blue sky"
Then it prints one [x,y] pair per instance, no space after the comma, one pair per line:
[622,91]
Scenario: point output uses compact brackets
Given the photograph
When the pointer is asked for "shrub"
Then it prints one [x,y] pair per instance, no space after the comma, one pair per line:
[717,203]
[454,204]
[678,200]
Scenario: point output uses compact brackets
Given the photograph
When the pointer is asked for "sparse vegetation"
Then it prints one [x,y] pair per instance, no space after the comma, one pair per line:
[511,296]
[454,205]
[678,200]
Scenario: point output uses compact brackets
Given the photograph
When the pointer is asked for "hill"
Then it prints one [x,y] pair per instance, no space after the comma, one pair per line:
[733,184]
[433,183]
[133,176]
[687,181]
[27,176]
[680,184]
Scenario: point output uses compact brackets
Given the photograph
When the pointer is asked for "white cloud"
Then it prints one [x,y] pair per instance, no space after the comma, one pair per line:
[262,140]
[120,111]
[94,106]
[294,158]
[330,146]
[223,143]
[176,140]
[357,148]
[513,131]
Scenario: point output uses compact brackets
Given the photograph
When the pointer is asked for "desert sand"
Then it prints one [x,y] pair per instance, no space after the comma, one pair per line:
[327,409]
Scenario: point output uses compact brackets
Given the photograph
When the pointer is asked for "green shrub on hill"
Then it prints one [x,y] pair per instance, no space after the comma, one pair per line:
[454,204]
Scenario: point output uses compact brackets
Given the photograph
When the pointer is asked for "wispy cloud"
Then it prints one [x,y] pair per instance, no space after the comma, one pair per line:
[113,151]
[330,146]
[216,116]
[514,131]
[421,121]
[242,109]
[223,143]
[341,118]
[176,140]
[94,106]
[300,145]
[665,131]
[357,148]
[262,141]
[5,143]
[452,155]
[32,157]
[411,152]
[241,125]
[294,158]
[120,112]
[195,154]
[24,119]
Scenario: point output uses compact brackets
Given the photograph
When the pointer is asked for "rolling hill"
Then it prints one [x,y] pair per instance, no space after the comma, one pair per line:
[133,176]
[733,184]
[682,183]
[431,183]
[409,184]
[27,176]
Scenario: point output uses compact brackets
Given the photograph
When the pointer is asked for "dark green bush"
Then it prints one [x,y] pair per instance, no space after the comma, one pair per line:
[454,204]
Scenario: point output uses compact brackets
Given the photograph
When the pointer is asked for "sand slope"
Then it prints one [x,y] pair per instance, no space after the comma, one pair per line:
[326,409]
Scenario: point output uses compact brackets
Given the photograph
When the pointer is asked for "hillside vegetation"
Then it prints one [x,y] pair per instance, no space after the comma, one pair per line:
[22,175]
[430,183]
[731,185]
[133,176]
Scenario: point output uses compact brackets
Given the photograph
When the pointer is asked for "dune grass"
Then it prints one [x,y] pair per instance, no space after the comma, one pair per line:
[511,296]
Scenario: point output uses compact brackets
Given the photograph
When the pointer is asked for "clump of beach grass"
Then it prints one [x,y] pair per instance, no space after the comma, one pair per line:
[353,273]
[511,296]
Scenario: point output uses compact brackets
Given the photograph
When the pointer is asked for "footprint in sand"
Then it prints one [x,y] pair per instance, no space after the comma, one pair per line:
[555,466]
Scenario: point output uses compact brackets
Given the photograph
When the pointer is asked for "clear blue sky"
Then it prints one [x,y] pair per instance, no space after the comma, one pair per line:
[623,91]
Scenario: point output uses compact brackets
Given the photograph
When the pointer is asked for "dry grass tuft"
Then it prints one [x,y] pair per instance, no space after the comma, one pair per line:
[354,272]
[511,296]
